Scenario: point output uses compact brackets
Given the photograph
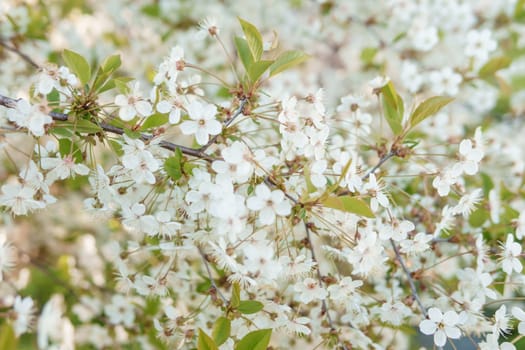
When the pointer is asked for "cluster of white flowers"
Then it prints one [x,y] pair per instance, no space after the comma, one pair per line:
[264,203]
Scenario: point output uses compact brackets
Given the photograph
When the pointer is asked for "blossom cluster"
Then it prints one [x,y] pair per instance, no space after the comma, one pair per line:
[192,191]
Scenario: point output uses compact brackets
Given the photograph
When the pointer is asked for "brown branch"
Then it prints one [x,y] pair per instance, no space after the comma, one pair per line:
[411,283]
[226,124]
[197,153]
[19,53]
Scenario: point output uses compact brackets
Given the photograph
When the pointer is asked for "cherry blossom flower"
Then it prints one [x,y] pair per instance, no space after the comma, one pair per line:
[133,104]
[375,190]
[19,199]
[509,256]
[445,81]
[202,122]
[60,79]
[24,309]
[310,290]
[208,26]
[32,117]
[120,311]
[519,314]
[169,69]
[268,204]
[442,326]
[501,321]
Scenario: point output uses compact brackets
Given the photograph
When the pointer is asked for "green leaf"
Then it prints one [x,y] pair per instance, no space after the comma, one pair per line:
[152,10]
[8,340]
[494,65]
[108,67]
[154,120]
[244,53]
[257,69]
[368,54]
[173,165]
[205,342]
[253,38]
[394,108]
[349,204]
[478,217]
[78,65]
[427,108]
[256,340]
[236,295]
[111,63]
[287,60]
[221,330]
[250,306]
[67,147]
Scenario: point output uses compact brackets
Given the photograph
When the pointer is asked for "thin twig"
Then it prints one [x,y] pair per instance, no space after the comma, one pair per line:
[212,281]
[413,288]
[19,53]
[11,103]
[225,125]
[324,305]
[378,165]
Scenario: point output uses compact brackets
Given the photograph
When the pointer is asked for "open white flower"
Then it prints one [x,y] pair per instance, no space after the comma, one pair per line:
[202,122]
[269,204]
[443,326]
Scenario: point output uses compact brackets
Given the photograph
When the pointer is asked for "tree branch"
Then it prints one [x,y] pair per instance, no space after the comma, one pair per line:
[226,124]
[197,153]
[413,288]
[19,53]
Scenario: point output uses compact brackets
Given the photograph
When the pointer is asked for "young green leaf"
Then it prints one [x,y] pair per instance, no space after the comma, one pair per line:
[111,63]
[236,296]
[253,38]
[257,69]
[221,330]
[154,121]
[67,147]
[173,165]
[244,53]
[394,108]
[256,340]
[427,108]
[287,60]
[494,65]
[204,342]
[8,339]
[78,65]
[349,205]
[250,306]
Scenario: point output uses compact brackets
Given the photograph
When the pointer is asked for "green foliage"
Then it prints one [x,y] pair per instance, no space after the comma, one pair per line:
[253,39]
[236,296]
[250,306]
[173,165]
[427,108]
[256,340]
[205,342]
[348,204]
[8,340]
[287,60]
[102,80]
[67,147]
[250,51]
[393,108]
[221,330]
[494,65]
[154,121]
[78,65]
